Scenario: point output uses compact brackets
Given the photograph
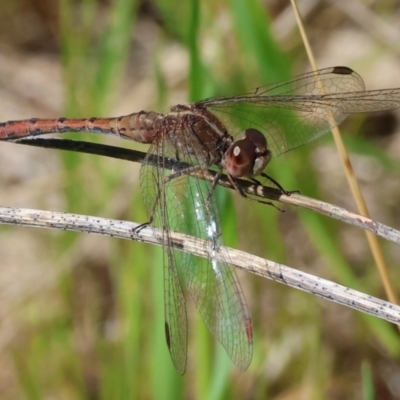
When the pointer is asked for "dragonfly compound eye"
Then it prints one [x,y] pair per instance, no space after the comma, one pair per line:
[248,156]
[258,139]
[240,157]
[263,155]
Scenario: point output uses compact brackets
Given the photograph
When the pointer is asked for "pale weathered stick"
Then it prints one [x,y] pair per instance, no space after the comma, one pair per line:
[265,268]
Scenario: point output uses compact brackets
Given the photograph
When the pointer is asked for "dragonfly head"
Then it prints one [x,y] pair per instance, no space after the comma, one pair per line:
[249,156]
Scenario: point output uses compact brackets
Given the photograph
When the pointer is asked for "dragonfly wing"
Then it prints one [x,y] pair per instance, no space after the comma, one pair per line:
[299,110]
[334,79]
[211,281]
[158,203]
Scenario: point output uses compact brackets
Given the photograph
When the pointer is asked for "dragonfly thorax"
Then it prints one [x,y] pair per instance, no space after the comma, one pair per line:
[198,132]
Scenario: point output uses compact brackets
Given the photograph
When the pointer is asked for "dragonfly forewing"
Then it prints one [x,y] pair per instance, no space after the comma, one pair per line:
[297,111]
[184,204]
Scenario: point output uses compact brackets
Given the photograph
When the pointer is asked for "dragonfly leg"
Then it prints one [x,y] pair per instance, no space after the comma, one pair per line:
[287,193]
[184,171]
[244,195]
[214,184]
[138,228]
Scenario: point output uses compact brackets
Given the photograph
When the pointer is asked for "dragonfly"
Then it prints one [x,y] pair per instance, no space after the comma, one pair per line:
[239,136]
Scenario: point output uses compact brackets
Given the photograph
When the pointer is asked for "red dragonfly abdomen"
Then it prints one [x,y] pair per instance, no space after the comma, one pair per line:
[141,127]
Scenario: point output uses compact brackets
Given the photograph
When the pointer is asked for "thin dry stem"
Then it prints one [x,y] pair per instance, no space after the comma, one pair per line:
[248,187]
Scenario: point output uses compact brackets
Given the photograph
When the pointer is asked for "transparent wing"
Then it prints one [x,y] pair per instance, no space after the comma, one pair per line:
[213,283]
[158,203]
[296,111]
[182,206]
